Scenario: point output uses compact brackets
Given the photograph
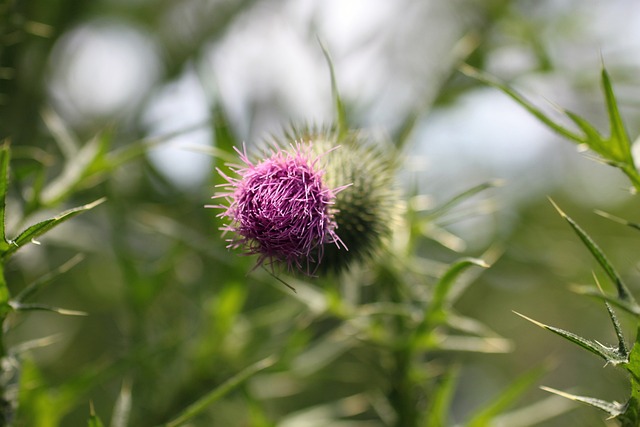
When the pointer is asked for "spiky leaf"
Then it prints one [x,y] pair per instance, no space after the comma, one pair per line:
[612,408]
[609,354]
[37,230]
[623,291]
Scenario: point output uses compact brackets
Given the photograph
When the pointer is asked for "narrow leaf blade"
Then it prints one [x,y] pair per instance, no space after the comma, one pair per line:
[612,408]
[43,307]
[201,404]
[507,90]
[41,282]
[122,408]
[623,291]
[613,300]
[503,401]
[438,412]
[608,354]
[619,144]
[5,156]
[94,420]
[341,115]
[74,170]
[461,197]
[37,230]
[594,140]
[447,280]
[619,220]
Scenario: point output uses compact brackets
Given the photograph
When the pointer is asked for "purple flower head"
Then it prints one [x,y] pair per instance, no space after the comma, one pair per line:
[280,208]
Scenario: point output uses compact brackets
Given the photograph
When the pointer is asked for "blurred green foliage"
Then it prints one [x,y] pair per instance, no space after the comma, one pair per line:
[179,327]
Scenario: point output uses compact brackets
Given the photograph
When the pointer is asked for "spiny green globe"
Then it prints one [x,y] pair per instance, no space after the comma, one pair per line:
[368,208]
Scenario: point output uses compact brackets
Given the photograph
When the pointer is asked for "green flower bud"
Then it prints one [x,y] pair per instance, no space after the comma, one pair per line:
[368,205]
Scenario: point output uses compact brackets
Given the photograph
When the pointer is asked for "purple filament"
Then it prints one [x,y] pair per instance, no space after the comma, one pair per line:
[279,209]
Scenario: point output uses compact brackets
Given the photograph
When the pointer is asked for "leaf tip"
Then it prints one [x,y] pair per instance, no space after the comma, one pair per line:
[535,322]
[557,208]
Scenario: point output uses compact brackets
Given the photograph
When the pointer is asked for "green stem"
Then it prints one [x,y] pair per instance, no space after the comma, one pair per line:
[5,308]
[402,396]
[7,403]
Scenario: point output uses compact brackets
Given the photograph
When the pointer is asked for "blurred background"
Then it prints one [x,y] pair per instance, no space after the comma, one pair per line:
[172,313]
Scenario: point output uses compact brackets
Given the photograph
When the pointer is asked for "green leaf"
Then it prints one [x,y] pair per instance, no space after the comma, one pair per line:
[73,172]
[122,408]
[438,413]
[225,138]
[42,281]
[94,421]
[491,81]
[612,408]
[41,307]
[619,220]
[33,232]
[619,146]
[623,291]
[627,306]
[502,402]
[5,155]
[447,280]
[622,345]
[342,125]
[406,129]
[615,150]
[435,311]
[461,197]
[205,401]
[609,354]
[593,139]
[460,343]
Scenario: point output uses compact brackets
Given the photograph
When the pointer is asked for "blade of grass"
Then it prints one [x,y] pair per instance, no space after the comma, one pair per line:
[497,406]
[41,282]
[461,197]
[613,300]
[341,115]
[434,313]
[205,401]
[438,413]
[42,307]
[623,291]
[93,421]
[612,408]
[619,145]
[122,408]
[609,355]
[73,172]
[491,81]
[618,219]
[622,345]
[5,156]
[37,230]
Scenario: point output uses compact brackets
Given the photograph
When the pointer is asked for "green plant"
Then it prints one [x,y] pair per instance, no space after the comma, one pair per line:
[614,150]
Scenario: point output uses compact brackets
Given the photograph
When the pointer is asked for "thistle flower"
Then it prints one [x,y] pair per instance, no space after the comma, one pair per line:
[316,204]
[280,208]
